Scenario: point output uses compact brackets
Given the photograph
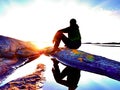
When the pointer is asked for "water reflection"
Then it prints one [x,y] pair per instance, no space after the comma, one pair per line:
[89,81]
[34,81]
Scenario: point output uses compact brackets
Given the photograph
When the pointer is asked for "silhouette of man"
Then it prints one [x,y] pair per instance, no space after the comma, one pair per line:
[73,41]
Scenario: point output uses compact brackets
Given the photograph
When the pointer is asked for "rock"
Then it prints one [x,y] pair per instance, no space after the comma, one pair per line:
[15,53]
[33,81]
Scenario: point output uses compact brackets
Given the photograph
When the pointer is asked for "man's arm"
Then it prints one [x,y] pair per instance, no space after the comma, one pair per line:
[59,32]
[65,30]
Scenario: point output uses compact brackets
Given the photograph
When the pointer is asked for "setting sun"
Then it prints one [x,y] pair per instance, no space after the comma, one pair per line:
[41,45]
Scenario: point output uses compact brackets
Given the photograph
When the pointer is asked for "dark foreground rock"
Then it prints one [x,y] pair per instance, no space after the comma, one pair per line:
[15,53]
[33,81]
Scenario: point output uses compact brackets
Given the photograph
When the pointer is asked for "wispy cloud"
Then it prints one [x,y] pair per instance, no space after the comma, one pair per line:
[105,4]
[6,3]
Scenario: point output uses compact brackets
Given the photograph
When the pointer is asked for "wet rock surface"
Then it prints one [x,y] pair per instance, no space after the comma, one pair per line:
[15,53]
[34,81]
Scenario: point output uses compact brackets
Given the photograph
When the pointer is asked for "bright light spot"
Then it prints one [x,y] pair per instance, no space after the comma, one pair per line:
[41,45]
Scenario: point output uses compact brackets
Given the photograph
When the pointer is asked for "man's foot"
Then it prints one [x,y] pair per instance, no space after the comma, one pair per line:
[55,50]
[54,60]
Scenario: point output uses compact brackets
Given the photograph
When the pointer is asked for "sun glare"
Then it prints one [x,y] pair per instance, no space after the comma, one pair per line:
[41,45]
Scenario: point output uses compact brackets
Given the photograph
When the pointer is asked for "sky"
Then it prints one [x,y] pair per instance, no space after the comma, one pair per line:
[24,18]
[38,20]
[105,4]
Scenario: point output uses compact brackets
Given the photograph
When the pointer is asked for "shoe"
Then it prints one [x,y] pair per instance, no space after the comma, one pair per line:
[55,50]
[55,61]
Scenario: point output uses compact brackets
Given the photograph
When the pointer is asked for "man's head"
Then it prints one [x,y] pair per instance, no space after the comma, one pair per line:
[72,21]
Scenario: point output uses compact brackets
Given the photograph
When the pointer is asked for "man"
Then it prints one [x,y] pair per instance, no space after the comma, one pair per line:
[73,41]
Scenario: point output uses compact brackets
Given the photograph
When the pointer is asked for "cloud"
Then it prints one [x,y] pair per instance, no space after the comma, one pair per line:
[6,3]
[105,4]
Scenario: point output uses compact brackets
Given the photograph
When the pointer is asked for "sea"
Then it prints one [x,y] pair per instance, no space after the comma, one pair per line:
[88,80]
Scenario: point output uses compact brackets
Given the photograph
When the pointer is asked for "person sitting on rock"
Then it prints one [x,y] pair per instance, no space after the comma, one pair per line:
[73,41]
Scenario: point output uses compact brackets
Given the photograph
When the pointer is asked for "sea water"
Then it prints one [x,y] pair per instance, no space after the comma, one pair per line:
[88,81]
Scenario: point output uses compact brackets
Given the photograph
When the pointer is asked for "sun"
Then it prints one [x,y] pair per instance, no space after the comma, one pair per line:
[41,45]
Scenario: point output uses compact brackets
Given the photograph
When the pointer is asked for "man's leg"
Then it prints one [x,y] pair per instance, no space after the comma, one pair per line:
[57,75]
[60,37]
[56,70]
[73,76]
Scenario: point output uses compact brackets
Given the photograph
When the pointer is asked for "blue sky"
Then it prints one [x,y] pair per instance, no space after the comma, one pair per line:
[7,3]
[105,4]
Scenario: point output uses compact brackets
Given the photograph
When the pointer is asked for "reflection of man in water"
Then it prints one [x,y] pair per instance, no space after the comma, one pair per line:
[73,41]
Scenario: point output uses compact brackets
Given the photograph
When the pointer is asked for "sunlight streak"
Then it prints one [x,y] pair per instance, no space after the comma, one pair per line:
[41,45]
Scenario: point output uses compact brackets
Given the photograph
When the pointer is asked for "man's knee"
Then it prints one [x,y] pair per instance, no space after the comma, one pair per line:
[59,35]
